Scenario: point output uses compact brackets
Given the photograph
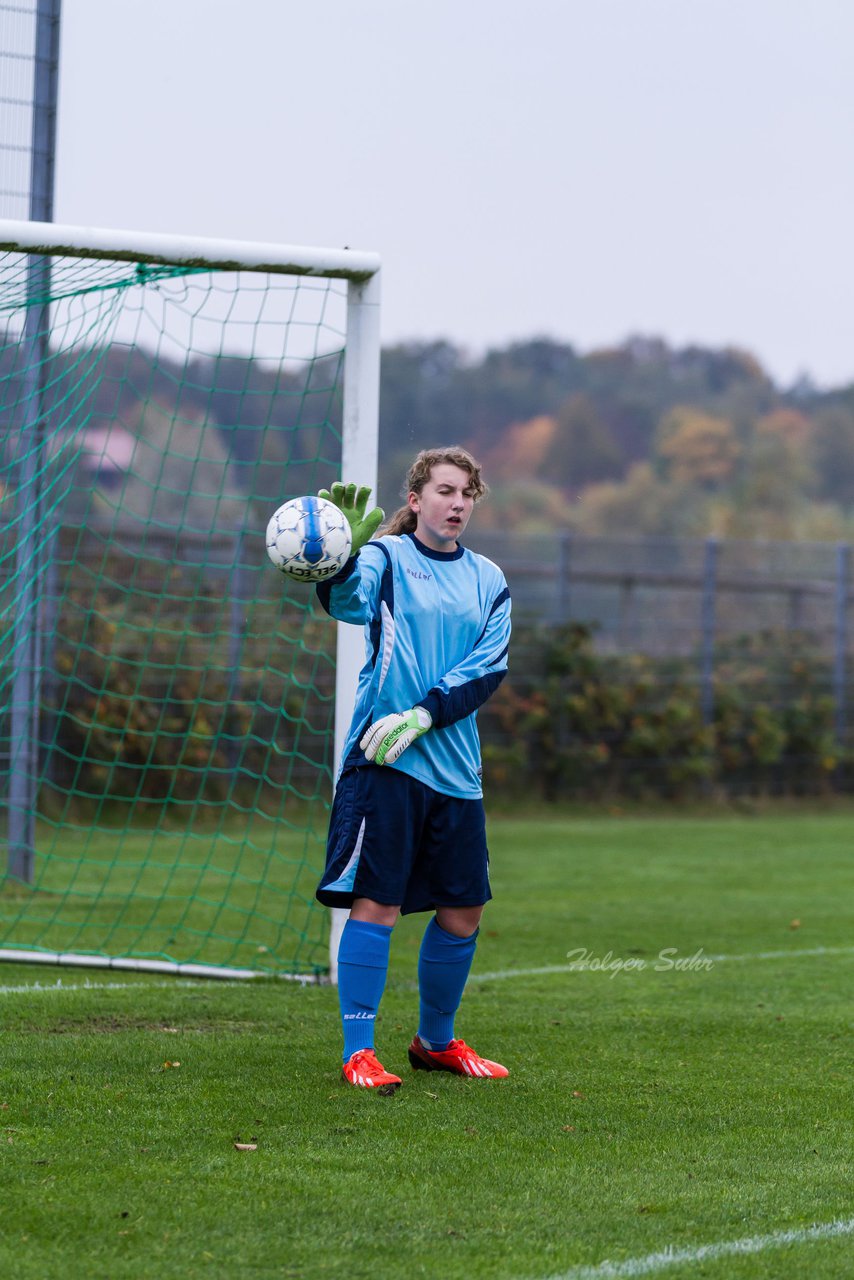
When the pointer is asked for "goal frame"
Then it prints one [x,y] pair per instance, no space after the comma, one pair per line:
[359,455]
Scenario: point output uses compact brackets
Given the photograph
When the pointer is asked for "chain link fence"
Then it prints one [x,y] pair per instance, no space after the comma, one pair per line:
[734,655]
[668,623]
[17,70]
[668,597]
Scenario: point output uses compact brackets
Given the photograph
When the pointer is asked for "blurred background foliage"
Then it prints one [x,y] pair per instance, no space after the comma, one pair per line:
[640,438]
[573,724]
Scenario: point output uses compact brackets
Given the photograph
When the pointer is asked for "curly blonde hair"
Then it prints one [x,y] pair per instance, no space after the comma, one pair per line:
[404,520]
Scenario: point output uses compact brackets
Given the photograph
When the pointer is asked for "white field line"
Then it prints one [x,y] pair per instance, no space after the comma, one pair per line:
[42,988]
[803,953]
[708,1252]
[60,987]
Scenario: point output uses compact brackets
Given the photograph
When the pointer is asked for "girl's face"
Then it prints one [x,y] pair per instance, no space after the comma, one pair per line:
[443,507]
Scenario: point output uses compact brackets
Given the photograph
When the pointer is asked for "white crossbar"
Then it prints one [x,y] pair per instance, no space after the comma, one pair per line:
[186,251]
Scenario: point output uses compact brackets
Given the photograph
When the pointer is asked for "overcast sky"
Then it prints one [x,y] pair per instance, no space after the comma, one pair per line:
[582,170]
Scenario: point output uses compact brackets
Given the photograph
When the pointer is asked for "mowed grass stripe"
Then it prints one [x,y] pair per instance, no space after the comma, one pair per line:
[640,1116]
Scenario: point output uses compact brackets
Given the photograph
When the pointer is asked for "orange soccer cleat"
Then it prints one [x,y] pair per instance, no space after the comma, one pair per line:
[458,1058]
[363,1069]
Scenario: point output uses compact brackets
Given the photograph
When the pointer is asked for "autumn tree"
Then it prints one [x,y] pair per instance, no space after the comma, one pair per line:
[696,448]
[790,425]
[582,449]
[524,505]
[521,449]
[643,504]
[833,452]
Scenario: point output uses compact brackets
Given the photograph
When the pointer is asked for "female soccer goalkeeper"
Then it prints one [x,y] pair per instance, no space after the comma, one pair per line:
[407,829]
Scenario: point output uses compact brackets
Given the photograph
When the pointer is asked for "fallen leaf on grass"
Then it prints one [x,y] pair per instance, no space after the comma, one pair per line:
[796,924]
[576,1094]
[166,1065]
[246,1146]
[569,1128]
[431,1095]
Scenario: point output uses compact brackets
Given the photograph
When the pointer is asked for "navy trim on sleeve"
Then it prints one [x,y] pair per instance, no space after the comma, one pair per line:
[461,701]
[497,602]
[386,597]
[324,589]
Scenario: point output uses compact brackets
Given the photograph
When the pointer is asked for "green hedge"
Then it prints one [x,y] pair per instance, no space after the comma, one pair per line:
[570,723]
[156,715]
[150,709]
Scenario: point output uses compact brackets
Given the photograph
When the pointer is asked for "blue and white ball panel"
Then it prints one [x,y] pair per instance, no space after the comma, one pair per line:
[313,531]
[309,539]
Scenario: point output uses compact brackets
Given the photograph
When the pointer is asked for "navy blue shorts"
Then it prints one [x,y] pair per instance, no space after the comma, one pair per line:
[397,841]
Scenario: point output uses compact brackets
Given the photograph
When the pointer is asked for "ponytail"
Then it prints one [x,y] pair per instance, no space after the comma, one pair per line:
[404,520]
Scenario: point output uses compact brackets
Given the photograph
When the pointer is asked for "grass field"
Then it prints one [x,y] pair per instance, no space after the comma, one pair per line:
[240,895]
[653,1106]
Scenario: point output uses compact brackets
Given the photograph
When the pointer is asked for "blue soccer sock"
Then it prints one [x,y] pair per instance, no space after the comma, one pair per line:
[362,969]
[443,967]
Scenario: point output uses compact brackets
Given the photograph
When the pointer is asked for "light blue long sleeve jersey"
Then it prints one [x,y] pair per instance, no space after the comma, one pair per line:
[437,633]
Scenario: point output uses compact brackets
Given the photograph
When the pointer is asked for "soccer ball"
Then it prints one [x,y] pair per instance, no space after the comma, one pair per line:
[309,539]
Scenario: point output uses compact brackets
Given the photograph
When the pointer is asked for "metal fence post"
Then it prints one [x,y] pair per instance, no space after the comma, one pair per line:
[25,705]
[708,604]
[840,696]
[28,659]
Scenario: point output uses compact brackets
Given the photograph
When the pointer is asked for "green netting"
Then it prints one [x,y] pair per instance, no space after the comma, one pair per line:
[166,699]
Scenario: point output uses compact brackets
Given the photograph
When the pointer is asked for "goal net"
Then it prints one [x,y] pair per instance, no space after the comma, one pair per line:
[167,700]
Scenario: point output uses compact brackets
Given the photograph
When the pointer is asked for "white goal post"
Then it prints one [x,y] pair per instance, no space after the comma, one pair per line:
[46,243]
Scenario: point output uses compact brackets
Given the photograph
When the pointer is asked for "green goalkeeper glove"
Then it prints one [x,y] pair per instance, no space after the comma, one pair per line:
[387,739]
[353,501]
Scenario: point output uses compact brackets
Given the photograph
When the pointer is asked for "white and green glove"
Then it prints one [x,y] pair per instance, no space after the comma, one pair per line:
[353,501]
[387,739]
